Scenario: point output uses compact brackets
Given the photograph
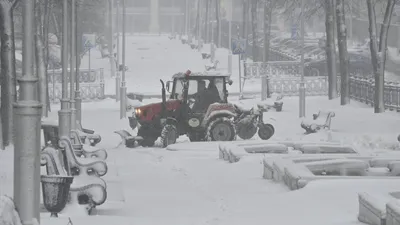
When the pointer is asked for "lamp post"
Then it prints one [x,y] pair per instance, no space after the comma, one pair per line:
[302,88]
[111,41]
[27,114]
[78,100]
[230,15]
[123,83]
[73,65]
[118,78]
[64,115]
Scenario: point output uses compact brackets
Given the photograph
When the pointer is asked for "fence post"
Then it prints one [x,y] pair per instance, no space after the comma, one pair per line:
[102,94]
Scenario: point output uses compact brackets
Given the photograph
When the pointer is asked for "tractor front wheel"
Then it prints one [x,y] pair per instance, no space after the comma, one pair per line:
[221,129]
[148,138]
[169,135]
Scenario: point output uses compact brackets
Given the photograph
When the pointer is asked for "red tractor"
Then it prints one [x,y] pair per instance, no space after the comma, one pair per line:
[197,107]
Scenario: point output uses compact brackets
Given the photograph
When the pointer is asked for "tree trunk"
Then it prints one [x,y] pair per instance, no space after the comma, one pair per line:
[8,71]
[45,36]
[330,49]
[56,26]
[378,56]
[267,31]
[207,30]
[267,28]
[335,19]
[245,17]
[254,29]
[383,49]
[343,55]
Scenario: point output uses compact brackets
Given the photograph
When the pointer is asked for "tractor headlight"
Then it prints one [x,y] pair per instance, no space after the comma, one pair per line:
[138,112]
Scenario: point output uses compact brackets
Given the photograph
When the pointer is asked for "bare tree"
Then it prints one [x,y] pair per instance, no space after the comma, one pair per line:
[343,55]
[217,16]
[8,71]
[268,6]
[330,49]
[254,4]
[378,55]
[40,56]
[207,40]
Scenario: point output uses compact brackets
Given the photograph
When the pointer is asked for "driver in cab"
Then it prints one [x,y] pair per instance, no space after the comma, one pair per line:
[206,97]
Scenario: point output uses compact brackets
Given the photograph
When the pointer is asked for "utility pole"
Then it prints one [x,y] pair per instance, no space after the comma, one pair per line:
[27,115]
[118,78]
[302,88]
[123,84]
[72,74]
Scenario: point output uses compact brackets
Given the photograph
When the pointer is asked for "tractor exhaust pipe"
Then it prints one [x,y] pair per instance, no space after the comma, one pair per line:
[164,99]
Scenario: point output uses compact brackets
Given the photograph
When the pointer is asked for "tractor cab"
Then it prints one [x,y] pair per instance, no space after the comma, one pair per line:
[203,89]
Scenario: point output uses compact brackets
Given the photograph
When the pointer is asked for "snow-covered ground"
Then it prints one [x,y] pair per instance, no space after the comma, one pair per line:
[149,186]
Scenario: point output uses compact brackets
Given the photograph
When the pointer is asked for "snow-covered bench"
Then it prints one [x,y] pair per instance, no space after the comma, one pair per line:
[82,166]
[212,65]
[393,213]
[379,208]
[205,55]
[322,120]
[85,190]
[326,149]
[86,151]
[93,138]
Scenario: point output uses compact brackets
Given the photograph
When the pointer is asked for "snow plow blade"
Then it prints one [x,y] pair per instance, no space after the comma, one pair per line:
[127,139]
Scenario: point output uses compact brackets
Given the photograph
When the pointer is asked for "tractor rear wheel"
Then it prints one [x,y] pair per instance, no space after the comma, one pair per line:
[221,129]
[169,135]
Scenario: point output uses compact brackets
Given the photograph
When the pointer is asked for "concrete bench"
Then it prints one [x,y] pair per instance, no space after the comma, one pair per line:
[82,166]
[392,213]
[235,153]
[85,190]
[326,149]
[320,121]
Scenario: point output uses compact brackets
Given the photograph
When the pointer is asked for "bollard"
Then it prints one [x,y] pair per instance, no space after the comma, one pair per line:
[102,84]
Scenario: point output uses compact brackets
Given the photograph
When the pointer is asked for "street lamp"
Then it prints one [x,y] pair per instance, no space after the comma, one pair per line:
[118,78]
[111,42]
[73,65]
[78,100]
[123,83]
[64,114]
[302,88]
[27,114]
[230,17]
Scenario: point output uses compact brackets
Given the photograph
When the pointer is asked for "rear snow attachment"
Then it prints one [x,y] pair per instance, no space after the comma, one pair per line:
[221,129]
[127,139]
[266,131]
[169,134]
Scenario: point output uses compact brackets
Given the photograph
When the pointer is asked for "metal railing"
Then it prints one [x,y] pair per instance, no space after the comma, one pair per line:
[91,85]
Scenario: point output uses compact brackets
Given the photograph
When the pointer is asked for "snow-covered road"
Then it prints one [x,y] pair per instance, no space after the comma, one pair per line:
[151,186]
